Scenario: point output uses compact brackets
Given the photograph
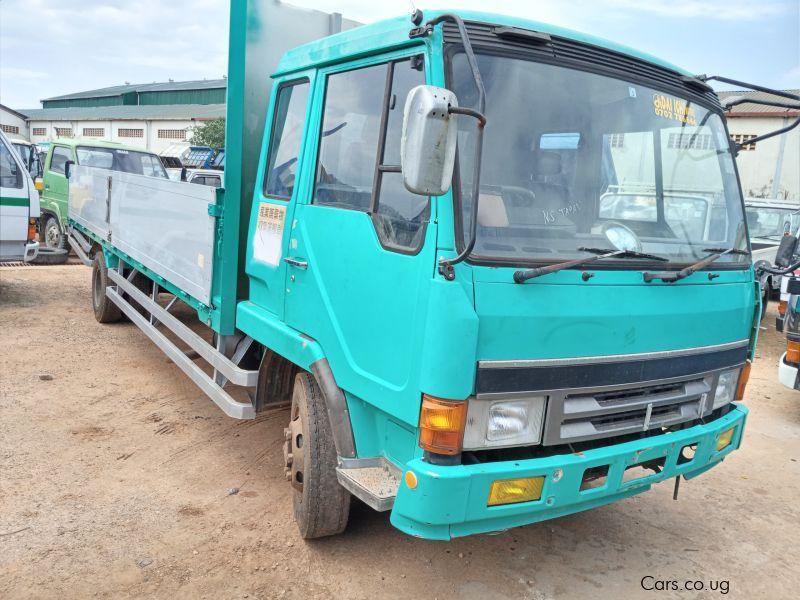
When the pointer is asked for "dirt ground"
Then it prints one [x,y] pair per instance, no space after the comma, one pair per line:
[115,474]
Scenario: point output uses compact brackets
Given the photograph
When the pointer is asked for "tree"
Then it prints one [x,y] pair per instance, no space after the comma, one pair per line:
[209,133]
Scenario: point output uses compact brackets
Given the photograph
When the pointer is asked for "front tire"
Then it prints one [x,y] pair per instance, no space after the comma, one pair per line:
[105,311]
[321,504]
[54,237]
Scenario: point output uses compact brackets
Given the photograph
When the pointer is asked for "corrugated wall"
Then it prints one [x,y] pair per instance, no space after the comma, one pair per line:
[211,96]
[87,102]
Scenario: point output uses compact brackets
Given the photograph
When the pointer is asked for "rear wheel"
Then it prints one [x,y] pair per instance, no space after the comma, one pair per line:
[105,311]
[321,504]
[54,237]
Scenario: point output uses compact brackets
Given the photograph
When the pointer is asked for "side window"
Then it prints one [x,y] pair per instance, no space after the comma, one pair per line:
[60,156]
[348,148]
[401,216]
[284,143]
[10,173]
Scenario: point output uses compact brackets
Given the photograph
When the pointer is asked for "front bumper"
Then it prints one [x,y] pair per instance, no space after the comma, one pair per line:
[451,501]
[31,251]
[787,374]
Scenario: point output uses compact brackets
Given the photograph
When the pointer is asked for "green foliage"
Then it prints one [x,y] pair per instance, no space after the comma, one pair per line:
[209,133]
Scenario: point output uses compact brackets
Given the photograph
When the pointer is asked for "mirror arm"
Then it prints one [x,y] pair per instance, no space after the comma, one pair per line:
[446,265]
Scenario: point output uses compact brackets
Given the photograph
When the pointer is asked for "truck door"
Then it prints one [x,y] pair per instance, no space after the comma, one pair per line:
[273,204]
[14,204]
[54,193]
[362,247]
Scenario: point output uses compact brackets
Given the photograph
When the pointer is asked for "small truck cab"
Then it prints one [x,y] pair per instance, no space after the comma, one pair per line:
[499,270]
[89,152]
[19,206]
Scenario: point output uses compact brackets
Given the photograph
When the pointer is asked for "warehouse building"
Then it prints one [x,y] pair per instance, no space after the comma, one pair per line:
[150,116]
[13,123]
[770,168]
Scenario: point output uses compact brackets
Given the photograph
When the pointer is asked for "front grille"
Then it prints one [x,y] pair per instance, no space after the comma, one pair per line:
[581,55]
[574,416]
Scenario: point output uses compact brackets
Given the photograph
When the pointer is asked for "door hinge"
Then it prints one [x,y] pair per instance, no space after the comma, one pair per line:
[214,210]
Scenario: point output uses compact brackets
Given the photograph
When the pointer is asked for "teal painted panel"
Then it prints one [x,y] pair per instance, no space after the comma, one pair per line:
[559,315]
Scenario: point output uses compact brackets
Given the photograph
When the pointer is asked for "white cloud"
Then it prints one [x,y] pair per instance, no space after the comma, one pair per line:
[709,9]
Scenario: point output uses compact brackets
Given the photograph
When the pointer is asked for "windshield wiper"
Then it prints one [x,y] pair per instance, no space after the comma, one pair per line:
[625,254]
[522,276]
[673,276]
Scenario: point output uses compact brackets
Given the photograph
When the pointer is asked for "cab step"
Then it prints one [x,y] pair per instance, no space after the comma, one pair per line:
[374,481]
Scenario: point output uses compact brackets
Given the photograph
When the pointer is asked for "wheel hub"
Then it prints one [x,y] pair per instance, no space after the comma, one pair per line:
[52,236]
[293,451]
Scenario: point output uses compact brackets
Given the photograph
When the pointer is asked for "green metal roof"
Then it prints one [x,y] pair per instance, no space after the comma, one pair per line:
[170,86]
[394,32]
[150,112]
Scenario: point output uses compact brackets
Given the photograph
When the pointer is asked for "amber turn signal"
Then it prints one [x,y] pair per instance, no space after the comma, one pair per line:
[441,424]
[782,308]
[744,376]
[32,235]
[792,351]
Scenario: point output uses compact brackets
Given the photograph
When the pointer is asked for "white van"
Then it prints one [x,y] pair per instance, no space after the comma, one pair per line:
[19,207]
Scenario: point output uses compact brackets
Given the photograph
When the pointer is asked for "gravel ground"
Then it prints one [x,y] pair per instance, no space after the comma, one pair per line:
[115,475]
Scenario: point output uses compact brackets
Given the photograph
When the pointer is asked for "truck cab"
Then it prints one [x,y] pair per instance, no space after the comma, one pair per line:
[19,206]
[503,399]
[55,185]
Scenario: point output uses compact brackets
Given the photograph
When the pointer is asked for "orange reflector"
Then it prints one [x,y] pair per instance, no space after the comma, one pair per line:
[441,424]
[725,439]
[411,480]
[782,307]
[512,491]
[792,351]
[32,230]
[744,377]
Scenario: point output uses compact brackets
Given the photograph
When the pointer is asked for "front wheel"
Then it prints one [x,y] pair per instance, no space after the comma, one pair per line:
[321,504]
[54,237]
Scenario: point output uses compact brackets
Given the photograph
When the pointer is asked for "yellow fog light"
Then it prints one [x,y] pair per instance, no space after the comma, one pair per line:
[511,491]
[725,439]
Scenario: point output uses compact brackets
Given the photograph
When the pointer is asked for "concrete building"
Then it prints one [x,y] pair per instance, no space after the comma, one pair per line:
[151,116]
[13,123]
[148,127]
[771,168]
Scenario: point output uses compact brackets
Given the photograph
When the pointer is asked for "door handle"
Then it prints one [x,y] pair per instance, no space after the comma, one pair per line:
[296,262]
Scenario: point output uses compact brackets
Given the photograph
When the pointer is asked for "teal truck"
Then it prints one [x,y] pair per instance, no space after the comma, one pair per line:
[498,270]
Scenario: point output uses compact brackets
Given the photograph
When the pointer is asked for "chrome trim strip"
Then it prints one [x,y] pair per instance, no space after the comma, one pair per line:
[577,360]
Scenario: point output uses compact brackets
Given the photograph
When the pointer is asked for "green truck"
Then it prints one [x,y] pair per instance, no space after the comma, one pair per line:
[91,152]
[450,245]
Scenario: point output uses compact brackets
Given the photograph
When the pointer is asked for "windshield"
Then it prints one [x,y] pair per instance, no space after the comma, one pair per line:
[117,159]
[24,152]
[771,222]
[567,152]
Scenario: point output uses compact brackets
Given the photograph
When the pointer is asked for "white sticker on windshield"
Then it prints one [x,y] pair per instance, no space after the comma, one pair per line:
[632,92]
[268,237]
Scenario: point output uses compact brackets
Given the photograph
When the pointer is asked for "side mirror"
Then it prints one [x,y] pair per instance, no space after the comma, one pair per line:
[786,251]
[428,143]
[183,173]
[68,168]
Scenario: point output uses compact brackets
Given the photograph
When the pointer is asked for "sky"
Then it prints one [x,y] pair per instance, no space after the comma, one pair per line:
[52,47]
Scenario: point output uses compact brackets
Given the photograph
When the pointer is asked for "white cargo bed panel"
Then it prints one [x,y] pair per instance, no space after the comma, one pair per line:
[162,224]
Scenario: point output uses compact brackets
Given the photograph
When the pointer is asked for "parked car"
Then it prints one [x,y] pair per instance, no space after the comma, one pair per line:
[92,153]
[19,206]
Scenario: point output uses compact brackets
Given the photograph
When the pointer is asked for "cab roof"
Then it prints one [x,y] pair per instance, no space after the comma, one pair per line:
[95,143]
[389,33]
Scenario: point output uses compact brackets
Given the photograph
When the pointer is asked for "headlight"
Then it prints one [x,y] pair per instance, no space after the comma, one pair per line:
[501,423]
[726,388]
